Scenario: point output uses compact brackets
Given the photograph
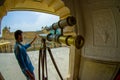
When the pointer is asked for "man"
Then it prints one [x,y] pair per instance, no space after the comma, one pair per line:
[22,56]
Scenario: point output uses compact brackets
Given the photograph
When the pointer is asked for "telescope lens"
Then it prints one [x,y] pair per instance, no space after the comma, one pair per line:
[71,21]
[79,41]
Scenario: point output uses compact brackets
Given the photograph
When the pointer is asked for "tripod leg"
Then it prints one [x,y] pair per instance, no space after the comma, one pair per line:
[45,57]
[55,65]
[41,61]
[39,71]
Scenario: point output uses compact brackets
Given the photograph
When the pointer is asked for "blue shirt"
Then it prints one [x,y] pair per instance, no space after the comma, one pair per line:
[22,57]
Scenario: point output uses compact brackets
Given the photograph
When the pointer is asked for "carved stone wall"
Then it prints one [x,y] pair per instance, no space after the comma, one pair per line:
[102,31]
[104,28]
[100,55]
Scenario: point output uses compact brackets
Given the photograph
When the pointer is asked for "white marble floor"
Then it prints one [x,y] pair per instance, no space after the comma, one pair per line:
[11,71]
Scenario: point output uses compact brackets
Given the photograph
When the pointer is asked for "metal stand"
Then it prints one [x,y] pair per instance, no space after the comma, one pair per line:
[42,72]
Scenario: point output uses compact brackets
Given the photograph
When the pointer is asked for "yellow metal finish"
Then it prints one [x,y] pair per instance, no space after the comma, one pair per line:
[77,41]
[71,41]
[62,39]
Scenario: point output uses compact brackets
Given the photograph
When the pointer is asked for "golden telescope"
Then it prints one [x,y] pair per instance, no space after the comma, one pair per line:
[69,21]
[77,41]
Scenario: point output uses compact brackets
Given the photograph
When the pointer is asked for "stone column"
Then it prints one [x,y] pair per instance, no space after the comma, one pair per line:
[75,54]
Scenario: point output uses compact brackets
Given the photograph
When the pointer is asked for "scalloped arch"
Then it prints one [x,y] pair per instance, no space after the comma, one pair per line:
[56,7]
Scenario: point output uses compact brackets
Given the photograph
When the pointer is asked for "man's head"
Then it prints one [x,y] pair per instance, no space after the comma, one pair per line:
[18,36]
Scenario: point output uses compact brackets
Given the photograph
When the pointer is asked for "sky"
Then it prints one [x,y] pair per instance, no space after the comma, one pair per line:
[27,20]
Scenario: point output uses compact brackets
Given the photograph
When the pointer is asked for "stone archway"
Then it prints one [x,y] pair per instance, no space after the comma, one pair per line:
[56,7]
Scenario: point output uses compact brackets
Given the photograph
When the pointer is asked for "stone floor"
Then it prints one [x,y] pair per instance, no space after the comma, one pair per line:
[11,71]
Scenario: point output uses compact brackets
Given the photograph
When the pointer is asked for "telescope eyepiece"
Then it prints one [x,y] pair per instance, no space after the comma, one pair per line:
[71,20]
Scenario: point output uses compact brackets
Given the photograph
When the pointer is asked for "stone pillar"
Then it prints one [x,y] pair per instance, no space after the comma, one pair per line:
[0,49]
[75,54]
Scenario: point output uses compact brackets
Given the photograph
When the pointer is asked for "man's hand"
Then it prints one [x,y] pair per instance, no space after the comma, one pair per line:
[30,75]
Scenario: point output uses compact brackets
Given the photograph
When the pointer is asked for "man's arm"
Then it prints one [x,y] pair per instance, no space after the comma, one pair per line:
[30,75]
[28,45]
[33,39]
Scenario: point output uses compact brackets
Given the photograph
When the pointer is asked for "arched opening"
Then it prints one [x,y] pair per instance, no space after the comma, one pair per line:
[47,7]
[10,25]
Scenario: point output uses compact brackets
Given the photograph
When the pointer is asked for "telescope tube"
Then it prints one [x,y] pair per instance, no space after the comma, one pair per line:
[77,41]
[69,21]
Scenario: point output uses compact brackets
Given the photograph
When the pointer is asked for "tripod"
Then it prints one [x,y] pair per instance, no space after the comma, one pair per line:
[42,72]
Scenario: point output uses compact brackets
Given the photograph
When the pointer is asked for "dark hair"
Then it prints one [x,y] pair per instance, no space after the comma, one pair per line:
[18,32]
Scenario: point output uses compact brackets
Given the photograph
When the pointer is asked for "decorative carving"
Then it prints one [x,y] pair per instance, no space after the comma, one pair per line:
[104,36]
[104,28]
